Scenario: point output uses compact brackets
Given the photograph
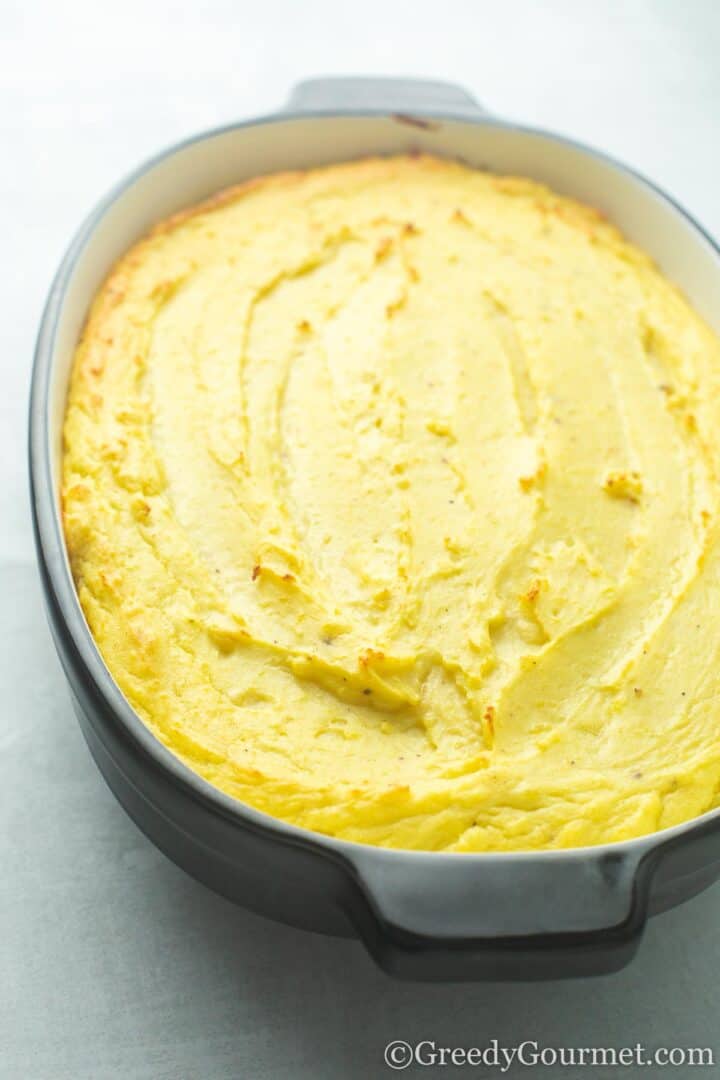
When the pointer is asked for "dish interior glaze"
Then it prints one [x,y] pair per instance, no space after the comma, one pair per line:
[391,496]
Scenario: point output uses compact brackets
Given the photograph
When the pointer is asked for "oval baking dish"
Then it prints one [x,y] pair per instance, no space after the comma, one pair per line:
[421,915]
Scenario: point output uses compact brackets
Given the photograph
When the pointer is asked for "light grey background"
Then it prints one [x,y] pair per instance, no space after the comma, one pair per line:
[112,962]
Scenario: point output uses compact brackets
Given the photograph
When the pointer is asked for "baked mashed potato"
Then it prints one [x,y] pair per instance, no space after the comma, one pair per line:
[391,492]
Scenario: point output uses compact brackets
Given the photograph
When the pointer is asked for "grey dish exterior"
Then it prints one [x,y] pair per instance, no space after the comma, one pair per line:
[421,915]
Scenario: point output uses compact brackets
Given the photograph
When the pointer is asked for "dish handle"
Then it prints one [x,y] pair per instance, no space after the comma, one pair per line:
[407,99]
[503,916]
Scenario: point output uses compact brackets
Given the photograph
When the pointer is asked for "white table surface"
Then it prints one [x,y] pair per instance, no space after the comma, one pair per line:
[113,963]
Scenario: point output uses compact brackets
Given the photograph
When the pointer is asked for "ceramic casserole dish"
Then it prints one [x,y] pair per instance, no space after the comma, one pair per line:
[422,915]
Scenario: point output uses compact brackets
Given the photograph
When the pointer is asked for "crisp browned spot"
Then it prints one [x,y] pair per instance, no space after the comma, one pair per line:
[624,484]
[257,571]
[384,247]
[533,592]
[370,656]
[527,483]
[489,719]
[416,121]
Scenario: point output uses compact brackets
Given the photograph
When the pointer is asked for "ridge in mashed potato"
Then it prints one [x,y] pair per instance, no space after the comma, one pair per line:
[391,496]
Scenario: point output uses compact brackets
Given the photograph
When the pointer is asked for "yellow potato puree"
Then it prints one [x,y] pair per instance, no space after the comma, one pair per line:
[391,493]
